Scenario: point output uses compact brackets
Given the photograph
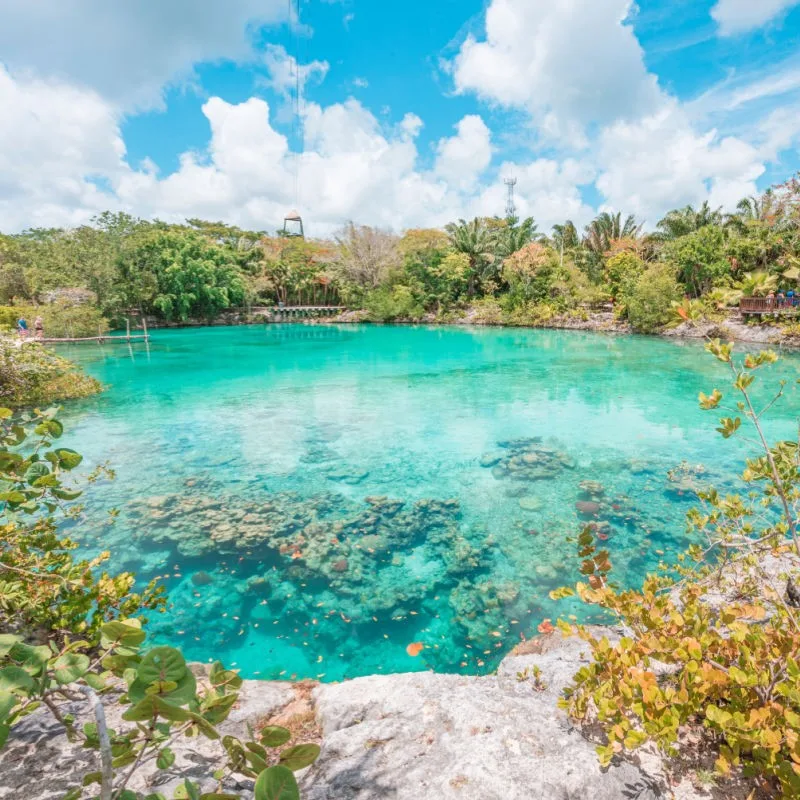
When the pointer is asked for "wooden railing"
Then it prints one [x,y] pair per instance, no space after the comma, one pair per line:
[769,305]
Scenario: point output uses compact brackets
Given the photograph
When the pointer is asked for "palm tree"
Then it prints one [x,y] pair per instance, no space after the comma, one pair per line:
[682,221]
[565,237]
[514,235]
[476,241]
[606,227]
[753,209]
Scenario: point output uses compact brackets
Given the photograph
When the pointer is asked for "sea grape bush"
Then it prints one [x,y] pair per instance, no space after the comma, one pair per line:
[69,634]
[160,703]
[726,673]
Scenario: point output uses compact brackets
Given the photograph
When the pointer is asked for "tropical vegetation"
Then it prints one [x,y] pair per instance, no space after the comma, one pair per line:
[707,663]
[485,269]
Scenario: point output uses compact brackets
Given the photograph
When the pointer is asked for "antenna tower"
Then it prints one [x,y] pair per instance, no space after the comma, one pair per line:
[511,208]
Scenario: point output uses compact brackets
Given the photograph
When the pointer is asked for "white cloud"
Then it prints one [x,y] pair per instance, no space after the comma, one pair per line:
[740,16]
[463,158]
[59,144]
[128,51]
[284,72]
[578,70]
[55,142]
[568,62]
[660,162]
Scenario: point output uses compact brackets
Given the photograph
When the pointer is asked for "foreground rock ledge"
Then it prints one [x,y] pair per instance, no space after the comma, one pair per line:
[392,737]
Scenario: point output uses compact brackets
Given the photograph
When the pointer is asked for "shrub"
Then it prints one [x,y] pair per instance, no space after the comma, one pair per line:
[649,304]
[723,672]
[31,374]
[486,311]
[61,320]
[622,271]
[397,303]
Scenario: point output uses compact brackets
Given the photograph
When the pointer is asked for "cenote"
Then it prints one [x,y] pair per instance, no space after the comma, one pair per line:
[318,498]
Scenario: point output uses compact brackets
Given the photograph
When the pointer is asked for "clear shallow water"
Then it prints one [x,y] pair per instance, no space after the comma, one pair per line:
[318,498]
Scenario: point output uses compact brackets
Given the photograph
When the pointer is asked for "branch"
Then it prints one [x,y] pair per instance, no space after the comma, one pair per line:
[106,767]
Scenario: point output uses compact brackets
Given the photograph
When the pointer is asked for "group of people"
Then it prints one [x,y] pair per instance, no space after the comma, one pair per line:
[24,332]
[782,299]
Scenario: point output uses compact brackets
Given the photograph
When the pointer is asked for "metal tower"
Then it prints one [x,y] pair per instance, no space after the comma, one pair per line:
[511,208]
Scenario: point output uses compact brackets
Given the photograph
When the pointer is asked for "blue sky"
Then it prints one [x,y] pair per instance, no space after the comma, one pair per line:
[413,112]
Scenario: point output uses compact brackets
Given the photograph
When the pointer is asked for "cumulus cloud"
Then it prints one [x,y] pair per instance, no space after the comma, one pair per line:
[569,62]
[463,158]
[127,52]
[660,162]
[578,70]
[55,141]
[739,16]
[62,160]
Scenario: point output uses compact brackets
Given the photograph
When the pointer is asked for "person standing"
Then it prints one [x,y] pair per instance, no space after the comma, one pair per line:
[38,326]
[22,327]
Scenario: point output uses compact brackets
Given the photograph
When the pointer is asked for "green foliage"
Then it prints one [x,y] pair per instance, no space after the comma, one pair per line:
[31,374]
[60,320]
[395,303]
[649,302]
[699,258]
[724,672]
[181,274]
[622,270]
[94,637]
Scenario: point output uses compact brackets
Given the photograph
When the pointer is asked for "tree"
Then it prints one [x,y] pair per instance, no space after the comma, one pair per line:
[179,274]
[699,258]
[606,227]
[682,221]
[565,237]
[513,235]
[649,302]
[477,242]
[366,256]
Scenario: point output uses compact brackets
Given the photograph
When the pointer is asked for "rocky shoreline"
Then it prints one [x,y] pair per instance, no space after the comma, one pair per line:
[393,737]
[601,321]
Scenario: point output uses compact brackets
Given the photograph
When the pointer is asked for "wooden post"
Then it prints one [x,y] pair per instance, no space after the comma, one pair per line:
[128,328]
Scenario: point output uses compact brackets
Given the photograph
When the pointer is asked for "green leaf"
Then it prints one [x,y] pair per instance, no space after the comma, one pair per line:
[299,756]
[166,758]
[277,783]
[69,667]
[92,777]
[67,459]
[274,736]
[35,471]
[7,641]
[15,679]
[161,664]
[7,703]
[128,633]
[66,494]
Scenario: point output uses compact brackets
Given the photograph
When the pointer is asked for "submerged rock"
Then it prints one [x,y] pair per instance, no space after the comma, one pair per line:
[202,579]
[530,503]
[587,508]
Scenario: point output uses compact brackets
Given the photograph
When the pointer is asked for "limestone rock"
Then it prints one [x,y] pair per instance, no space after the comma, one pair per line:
[402,737]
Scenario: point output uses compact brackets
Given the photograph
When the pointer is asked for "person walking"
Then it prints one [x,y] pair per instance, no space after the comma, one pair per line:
[38,326]
[22,327]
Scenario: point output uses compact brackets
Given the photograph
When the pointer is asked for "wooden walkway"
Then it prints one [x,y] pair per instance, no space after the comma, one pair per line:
[296,312]
[768,305]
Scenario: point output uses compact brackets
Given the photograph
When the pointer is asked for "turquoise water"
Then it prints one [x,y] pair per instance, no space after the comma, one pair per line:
[317,498]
